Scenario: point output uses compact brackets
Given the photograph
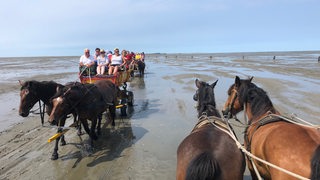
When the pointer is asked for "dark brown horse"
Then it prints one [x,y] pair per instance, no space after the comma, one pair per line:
[271,138]
[141,66]
[34,91]
[208,152]
[89,101]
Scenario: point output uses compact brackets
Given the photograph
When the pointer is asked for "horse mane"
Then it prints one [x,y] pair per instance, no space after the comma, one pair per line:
[33,83]
[43,89]
[63,88]
[256,97]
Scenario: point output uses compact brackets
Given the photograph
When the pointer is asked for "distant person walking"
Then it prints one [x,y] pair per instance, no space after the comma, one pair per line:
[319,59]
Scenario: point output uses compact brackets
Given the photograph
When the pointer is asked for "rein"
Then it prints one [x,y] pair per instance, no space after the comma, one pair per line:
[42,111]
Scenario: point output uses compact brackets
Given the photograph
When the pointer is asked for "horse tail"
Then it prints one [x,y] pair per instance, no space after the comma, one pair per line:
[315,164]
[202,167]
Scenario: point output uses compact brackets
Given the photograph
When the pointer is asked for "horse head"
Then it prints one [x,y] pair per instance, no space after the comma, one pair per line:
[205,97]
[28,97]
[235,101]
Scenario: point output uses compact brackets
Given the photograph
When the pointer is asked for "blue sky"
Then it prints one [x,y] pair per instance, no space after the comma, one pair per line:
[60,27]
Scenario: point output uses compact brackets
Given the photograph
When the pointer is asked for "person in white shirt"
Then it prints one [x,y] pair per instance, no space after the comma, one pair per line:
[87,64]
[116,62]
[102,62]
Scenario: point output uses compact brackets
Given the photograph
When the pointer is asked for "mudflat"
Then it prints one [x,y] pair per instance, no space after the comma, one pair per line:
[143,144]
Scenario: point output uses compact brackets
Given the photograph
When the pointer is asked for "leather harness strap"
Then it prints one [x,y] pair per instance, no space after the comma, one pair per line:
[265,120]
[210,120]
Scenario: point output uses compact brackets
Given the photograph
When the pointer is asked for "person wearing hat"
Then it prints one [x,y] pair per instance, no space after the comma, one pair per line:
[102,62]
[116,62]
[87,64]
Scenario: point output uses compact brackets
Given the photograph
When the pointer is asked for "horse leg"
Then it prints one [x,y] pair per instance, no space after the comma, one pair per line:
[143,70]
[85,125]
[112,110]
[55,154]
[99,124]
[78,124]
[63,141]
[92,130]
[79,133]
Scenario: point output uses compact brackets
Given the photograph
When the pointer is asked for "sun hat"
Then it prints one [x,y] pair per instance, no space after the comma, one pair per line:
[102,50]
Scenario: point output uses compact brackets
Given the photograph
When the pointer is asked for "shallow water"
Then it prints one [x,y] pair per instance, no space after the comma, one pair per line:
[300,69]
[143,145]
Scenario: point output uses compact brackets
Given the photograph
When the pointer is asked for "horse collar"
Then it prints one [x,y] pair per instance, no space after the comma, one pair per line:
[215,121]
[263,121]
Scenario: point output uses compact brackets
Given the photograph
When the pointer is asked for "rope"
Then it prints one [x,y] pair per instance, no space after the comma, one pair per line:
[243,149]
[294,122]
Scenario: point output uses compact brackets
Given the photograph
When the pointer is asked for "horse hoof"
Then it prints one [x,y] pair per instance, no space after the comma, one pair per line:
[94,137]
[54,156]
[79,133]
[63,143]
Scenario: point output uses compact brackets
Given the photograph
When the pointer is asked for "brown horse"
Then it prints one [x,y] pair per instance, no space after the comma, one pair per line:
[89,101]
[33,91]
[208,152]
[287,145]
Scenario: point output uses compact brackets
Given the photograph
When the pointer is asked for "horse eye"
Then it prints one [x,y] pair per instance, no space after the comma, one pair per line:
[26,91]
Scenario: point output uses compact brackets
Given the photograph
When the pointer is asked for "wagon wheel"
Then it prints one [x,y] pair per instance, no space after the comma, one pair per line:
[130,98]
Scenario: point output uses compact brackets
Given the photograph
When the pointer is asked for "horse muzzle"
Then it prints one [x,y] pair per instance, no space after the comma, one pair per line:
[24,114]
[227,113]
[52,121]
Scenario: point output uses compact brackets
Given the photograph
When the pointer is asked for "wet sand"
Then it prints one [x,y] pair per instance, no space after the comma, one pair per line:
[143,145]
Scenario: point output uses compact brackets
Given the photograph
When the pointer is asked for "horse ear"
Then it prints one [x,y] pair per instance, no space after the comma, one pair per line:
[214,84]
[59,88]
[237,81]
[21,82]
[198,84]
[251,78]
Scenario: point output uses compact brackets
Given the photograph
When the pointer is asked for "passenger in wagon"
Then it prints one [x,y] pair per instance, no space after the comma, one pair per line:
[97,53]
[116,62]
[128,59]
[87,64]
[102,62]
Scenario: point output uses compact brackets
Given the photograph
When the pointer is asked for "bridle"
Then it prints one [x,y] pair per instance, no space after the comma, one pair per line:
[227,112]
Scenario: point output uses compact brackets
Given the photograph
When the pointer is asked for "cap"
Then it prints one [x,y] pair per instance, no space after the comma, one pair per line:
[102,50]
